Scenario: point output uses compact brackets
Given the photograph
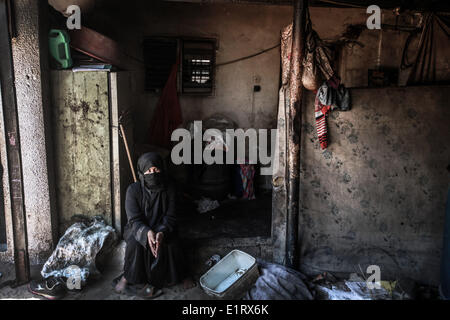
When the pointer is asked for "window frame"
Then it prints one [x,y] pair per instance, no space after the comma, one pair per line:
[213,41]
[180,40]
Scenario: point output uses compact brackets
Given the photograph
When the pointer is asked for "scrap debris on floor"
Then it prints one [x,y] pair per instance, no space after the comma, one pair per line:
[205,205]
[85,242]
[79,247]
[275,282]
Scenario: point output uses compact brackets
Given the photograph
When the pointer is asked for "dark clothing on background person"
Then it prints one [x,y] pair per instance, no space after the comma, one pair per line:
[150,205]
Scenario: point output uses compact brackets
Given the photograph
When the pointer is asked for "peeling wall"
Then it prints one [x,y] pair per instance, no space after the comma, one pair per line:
[377,194]
[81,126]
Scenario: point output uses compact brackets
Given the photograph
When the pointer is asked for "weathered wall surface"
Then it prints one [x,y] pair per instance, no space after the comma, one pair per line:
[82,145]
[32,102]
[241,30]
[377,194]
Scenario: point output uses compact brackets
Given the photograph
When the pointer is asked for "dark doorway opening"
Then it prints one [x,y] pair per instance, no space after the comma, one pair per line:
[222,200]
[233,219]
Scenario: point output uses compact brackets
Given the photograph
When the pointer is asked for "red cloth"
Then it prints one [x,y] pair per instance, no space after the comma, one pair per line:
[167,116]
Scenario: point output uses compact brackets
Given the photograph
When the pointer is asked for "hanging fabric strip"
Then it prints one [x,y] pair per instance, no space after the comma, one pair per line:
[435,34]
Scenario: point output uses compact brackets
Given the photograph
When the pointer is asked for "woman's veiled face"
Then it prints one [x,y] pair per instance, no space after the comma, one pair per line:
[152,170]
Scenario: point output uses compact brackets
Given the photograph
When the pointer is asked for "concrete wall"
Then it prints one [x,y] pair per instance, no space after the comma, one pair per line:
[31,80]
[81,126]
[377,194]
[241,30]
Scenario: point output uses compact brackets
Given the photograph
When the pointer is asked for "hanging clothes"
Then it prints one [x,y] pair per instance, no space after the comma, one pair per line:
[243,181]
[317,69]
[331,96]
[247,172]
[168,116]
[317,63]
[435,33]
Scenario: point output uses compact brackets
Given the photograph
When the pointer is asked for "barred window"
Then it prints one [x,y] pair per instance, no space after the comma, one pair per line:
[197,63]
[198,66]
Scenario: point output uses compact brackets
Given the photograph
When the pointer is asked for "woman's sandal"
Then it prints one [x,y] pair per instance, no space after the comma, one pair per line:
[149,292]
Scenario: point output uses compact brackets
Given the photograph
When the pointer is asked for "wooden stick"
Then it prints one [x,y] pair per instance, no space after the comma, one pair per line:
[128,152]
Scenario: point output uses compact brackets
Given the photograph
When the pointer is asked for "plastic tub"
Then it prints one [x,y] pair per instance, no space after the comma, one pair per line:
[231,277]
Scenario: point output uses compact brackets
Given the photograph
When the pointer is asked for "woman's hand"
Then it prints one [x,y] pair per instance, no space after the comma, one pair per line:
[159,241]
[152,242]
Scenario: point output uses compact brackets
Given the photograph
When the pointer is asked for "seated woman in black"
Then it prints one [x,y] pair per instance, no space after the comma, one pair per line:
[152,257]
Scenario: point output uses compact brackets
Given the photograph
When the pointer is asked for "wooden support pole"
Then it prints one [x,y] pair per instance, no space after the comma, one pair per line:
[128,152]
[294,127]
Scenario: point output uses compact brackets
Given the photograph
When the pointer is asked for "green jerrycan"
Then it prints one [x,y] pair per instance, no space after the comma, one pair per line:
[59,48]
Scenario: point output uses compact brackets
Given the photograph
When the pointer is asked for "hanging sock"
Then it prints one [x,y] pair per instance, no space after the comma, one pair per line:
[321,113]
[322,133]
[331,96]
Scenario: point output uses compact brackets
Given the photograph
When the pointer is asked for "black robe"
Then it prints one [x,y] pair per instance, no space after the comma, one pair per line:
[151,210]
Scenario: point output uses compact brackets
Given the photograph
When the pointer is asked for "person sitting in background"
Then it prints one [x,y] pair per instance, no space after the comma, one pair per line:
[152,258]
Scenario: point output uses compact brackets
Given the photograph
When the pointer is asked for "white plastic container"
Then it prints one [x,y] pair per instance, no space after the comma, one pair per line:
[231,277]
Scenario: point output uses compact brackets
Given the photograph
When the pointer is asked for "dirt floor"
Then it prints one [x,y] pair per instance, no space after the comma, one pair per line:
[234,218]
[99,289]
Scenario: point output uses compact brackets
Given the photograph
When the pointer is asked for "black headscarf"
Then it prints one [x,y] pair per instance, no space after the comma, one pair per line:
[155,181]
[150,205]
[154,188]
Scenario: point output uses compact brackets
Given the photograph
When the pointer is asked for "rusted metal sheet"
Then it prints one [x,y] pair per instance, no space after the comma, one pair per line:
[11,125]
